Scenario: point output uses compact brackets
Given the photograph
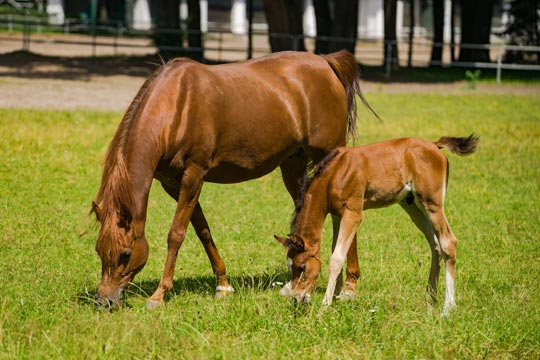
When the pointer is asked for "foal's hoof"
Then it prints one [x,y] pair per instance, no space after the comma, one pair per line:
[346,295]
[286,290]
[152,304]
[302,298]
[224,291]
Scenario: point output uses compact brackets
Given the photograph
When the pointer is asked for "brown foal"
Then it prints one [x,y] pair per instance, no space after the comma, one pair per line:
[409,171]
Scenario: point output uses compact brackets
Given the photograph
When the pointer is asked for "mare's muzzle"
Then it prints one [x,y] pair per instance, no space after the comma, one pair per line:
[111,301]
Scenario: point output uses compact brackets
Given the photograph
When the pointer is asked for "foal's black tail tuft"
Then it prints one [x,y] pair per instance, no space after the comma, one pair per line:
[459,145]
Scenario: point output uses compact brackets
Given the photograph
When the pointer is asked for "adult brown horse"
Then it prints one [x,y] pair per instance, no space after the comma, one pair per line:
[191,123]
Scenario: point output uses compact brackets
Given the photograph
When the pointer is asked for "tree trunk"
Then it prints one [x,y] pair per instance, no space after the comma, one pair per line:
[390,38]
[345,26]
[438,32]
[195,41]
[167,35]
[285,24]
[338,31]
[324,26]
[475,29]
[412,23]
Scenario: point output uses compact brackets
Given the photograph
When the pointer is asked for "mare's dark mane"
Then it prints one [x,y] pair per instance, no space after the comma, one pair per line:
[115,193]
[309,176]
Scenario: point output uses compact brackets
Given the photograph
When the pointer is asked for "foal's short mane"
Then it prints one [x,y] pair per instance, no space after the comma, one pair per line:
[309,176]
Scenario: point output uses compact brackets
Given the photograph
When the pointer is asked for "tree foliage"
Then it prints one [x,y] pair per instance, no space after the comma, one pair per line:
[523,29]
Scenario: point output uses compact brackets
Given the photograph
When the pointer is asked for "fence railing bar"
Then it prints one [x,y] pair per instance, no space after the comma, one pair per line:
[117,32]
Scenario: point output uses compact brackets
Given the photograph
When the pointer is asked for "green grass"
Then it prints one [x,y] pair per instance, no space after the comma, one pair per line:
[50,171]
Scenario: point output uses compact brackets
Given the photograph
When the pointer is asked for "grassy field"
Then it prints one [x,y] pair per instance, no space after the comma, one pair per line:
[49,173]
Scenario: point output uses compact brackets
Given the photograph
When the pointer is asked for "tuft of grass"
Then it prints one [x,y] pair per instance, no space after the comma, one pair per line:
[50,171]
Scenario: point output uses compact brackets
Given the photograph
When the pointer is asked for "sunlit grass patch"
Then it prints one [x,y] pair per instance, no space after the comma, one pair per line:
[50,168]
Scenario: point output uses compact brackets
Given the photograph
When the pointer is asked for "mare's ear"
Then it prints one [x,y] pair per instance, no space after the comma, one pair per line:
[96,210]
[125,217]
[283,241]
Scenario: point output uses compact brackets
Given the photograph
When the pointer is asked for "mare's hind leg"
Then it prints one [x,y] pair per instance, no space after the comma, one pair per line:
[192,181]
[202,229]
[198,220]
[442,241]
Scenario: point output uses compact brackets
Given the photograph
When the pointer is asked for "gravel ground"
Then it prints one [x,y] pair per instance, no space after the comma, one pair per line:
[68,81]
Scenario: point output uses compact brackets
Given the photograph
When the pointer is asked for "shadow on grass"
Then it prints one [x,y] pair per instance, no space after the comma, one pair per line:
[203,285]
[28,65]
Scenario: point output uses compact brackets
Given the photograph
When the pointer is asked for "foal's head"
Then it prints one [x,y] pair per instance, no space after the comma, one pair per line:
[123,252]
[304,265]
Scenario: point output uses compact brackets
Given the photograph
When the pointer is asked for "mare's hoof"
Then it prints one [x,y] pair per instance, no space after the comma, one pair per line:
[347,295]
[152,304]
[224,291]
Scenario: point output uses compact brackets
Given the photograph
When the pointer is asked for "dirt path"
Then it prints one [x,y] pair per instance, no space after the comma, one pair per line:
[45,82]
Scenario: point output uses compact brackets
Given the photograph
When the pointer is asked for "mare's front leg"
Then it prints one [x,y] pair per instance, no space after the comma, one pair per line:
[198,220]
[350,220]
[190,189]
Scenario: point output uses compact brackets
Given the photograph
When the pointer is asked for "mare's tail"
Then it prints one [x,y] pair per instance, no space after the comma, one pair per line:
[459,145]
[346,69]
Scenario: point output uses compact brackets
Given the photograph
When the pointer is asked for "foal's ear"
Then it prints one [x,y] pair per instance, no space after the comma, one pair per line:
[297,241]
[283,241]
[96,210]
[125,218]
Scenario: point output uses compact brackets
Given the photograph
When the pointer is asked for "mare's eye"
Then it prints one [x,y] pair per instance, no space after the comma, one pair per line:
[125,256]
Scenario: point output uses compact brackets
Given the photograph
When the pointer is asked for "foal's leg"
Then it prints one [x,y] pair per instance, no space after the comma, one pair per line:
[198,220]
[442,241]
[423,223]
[347,231]
[191,186]
[347,292]
[448,245]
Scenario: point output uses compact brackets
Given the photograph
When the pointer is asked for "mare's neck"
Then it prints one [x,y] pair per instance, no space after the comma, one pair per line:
[141,166]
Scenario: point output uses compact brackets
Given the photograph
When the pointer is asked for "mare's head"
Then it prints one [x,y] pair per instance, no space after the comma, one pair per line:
[304,265]
[123,252]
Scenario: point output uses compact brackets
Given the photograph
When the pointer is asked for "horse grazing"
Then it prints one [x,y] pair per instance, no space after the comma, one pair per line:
[191,123]
[410,172]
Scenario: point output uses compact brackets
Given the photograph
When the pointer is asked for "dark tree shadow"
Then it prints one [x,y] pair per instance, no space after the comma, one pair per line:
[28,65]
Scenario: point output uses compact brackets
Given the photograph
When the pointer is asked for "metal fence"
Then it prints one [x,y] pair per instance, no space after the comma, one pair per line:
[219,44]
